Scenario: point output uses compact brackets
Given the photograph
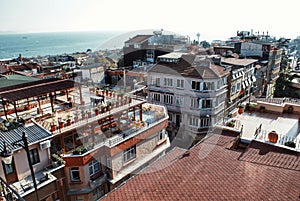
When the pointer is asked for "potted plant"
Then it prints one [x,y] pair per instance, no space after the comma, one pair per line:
[56,159]
[69,120]
[108,104]
[77,151]
[83,115]
[273,136]
[230,124]
[96,111]
[28,107]
[290,144]
[250,106]
[241,109]
[61,123]
[103,108]
[262,109]
[76,119]
[53,127]
[89,113]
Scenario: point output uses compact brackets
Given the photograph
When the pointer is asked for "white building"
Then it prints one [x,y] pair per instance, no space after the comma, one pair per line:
[194,90]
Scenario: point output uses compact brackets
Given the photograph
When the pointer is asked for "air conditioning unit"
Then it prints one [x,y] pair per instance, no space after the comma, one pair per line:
[44,145]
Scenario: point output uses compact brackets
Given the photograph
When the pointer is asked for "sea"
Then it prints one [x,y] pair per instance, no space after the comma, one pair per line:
[42,44]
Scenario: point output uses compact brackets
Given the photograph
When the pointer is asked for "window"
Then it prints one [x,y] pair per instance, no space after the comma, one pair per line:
[170,117]
[168,99]
[75,174]
[206,103]
[238,86]
[233,89]
[156,97]
[108,162]
[196,85]
[194,121]
[205,122]
[194,102]
[98,193]
[34,156]
[219,84]
[94,167]
[79,198]
[8,168]
[179,100]
[161,135]
[155,81]
[180,83]
[168,82]
[129,153]
[208,86]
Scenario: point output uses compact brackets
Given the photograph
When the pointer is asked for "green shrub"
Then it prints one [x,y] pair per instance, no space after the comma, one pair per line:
[230,124]
[290,144]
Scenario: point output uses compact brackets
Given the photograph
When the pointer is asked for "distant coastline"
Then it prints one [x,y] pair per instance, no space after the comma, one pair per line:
[52,43]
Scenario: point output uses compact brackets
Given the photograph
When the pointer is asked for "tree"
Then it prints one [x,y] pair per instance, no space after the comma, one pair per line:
[282,86]
[204,44]
[284,61]
[195,42]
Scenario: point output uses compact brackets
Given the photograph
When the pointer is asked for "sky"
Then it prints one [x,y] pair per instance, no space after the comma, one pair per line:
[213,19]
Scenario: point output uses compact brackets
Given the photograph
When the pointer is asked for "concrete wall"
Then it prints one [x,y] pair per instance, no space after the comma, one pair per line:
[251,49]
[143,148]
[22,165]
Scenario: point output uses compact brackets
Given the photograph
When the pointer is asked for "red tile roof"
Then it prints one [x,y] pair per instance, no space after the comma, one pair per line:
[212,172]
[267,154]
[192,66]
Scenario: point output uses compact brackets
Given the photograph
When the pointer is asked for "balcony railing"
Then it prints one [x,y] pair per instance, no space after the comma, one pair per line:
[8,192]
[262,135]
[150,119]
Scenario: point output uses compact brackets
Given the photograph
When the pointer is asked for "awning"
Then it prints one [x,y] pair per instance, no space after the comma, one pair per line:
[36,88]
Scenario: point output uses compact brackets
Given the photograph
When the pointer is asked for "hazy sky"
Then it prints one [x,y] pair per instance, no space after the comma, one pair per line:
[214,19]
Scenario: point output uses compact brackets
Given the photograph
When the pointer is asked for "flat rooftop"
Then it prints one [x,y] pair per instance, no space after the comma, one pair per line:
[283,124]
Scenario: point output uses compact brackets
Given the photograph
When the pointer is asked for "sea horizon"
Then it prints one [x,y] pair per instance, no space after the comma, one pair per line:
[54,43]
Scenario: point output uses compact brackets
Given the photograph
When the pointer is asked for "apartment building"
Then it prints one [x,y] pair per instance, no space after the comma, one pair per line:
[193,89]
[242,81]
[142,50]
[269,57]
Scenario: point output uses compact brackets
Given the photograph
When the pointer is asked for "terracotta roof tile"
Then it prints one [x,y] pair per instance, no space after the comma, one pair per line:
[212,172]
[190,65]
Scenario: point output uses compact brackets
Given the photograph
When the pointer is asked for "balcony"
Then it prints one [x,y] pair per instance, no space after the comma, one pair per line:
[95,108]
[8,193]
[116,131]
[45,180]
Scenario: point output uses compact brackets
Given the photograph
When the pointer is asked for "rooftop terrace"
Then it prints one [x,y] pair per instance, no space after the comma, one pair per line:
[281,115]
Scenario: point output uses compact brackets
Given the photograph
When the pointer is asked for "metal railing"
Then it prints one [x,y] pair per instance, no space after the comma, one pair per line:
[8,192]
[262,135]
